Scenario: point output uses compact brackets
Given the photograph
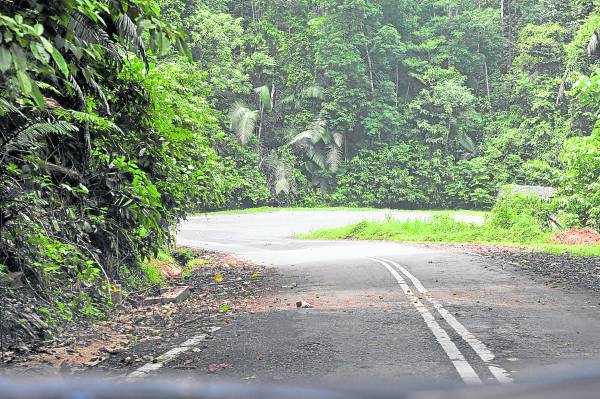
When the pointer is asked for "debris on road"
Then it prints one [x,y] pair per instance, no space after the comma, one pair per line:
[176,294]
[217,366]
[303,304]
[146,324]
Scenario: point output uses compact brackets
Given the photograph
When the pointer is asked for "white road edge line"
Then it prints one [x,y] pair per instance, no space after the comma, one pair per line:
[168,356]
[462,366]
[479,347]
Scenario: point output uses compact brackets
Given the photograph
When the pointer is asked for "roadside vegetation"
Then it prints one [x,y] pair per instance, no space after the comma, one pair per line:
[120,118]
[267,209]
[520,219]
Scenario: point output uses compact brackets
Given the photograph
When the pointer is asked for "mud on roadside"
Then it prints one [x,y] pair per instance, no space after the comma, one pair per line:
[135,333]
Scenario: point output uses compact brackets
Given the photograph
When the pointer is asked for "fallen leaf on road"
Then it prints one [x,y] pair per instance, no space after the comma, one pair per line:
[224,308]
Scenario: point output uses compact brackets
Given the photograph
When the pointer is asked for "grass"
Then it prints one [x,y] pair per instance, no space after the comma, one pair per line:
[151,268]
[191,265]
[445,229]
[267,209]
[183,257]
[559,249]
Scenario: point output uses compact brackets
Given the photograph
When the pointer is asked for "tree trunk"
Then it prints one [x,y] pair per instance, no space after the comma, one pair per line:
[487,78]
[397,84]
[370,62]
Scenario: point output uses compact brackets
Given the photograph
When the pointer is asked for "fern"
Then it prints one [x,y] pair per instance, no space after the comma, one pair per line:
[94,121]
[28,136]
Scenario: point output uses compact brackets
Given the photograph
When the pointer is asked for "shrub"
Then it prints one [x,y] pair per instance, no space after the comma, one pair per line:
[568,219]
[471,184]
[394,176]
[579,191]
[517,210]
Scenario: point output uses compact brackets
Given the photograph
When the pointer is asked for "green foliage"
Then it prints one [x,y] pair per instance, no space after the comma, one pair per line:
[439,228]
[471,183]
[105,145]
[580,187]
[481,105]
[512,210]
[540,48]
[409,176]
[397,176]
[109,138]
[191,265]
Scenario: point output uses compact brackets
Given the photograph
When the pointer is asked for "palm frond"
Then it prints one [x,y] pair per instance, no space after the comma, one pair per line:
[317,155]
[94,121]
[91,82]
[77,89]
[282,183]
[128,31]
[291,99]
[338,138]
[301,137]
[334,157]
[264,94]
[319,132]
[89,33]
[242,121]
[280,173]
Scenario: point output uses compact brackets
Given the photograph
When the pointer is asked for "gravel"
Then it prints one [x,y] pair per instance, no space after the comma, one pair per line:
[565,270]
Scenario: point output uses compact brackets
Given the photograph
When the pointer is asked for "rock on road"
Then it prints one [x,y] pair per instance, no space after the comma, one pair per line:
[386,311]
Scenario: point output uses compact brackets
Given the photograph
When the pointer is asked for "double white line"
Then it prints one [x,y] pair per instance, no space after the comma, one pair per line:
[463,367]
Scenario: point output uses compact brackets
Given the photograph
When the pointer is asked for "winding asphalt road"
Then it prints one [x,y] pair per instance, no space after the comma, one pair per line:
[386,311]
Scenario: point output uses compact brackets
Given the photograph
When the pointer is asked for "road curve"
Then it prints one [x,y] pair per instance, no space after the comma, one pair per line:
[388,312]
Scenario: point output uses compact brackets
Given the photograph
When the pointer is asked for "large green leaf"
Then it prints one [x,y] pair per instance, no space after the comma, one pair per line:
[264,94]
[19,58]
[38,51]
[60,61]
[37,96]
[466,142]
[5,59]
[24,82]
